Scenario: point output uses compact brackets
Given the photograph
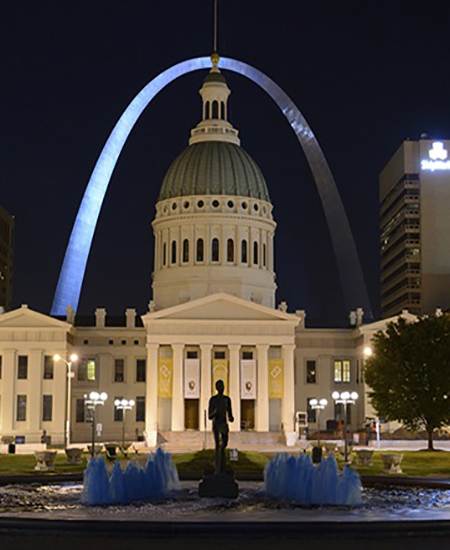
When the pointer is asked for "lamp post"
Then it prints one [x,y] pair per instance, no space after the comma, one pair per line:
[72,359]
[124,405]
[91,401]
[345,398]
[318,405]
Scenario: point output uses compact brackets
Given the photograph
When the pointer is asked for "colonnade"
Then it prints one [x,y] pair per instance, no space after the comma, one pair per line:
[262,416]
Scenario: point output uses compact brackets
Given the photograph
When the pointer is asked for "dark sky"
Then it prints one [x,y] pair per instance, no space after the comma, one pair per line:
[365,74]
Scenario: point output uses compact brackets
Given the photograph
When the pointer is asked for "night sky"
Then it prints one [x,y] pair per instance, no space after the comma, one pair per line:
[366,75]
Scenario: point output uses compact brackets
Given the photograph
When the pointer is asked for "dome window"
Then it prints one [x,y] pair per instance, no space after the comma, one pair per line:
[207,110]
[215,203]
[215,109]
[230,204]
[255,253]
[200,250]
[186,204]
[255,207]
[244,205]
[230,250]
[174,252]
[215,250]
[185,251]
[264,255]
[174,206]
[244,253]
[200,204]
[165,254]
[222,110]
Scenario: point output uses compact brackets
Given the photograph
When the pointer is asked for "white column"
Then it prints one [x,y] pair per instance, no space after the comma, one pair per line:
[262,403]
[288,407]
[205,386]
[177,389]
[235,385]
[151,395]
[34,400]
[9,396]
[59,390]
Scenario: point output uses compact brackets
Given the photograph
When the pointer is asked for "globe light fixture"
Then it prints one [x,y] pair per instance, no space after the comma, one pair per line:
[368,352]
[345,398]
[73,358]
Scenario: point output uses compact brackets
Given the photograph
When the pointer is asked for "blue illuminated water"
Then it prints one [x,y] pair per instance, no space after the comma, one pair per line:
[157,479]
[297,479]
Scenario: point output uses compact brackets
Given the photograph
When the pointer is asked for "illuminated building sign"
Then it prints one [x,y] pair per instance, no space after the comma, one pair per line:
[437,158]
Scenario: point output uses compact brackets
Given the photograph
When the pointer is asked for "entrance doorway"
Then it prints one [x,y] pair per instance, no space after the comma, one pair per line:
[247,414]
[191,416]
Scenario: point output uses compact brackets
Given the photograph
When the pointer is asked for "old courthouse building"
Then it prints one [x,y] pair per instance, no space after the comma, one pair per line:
[213,315]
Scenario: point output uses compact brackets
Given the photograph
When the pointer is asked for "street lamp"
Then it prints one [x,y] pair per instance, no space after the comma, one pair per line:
[345,398]
[72,359]
[317,405]
[91,402]
[368,352]
[124,405]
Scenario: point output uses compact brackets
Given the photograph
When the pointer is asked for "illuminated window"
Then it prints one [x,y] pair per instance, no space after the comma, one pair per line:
[342,370]
[230,250]
[86,370]
[185,250]
[215,250]
[310,372]
[200,250]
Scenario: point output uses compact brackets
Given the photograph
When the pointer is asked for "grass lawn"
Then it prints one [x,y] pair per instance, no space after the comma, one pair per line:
[415,463]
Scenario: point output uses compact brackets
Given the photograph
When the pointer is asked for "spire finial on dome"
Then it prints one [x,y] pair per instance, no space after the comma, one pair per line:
[215,56]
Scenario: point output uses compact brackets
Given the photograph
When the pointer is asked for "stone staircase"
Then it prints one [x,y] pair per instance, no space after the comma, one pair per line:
[193,440]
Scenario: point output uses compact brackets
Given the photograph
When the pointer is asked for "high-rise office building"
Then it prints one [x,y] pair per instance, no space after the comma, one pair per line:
[415,228]
[6,257]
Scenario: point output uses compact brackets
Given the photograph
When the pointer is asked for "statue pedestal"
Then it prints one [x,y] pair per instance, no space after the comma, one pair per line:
[213,486]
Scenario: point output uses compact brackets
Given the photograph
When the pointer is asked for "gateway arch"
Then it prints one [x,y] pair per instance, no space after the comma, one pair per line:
[75,260]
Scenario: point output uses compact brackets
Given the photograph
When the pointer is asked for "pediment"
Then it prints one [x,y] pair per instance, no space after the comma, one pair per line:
[29,319]
[224,307]
[381,324]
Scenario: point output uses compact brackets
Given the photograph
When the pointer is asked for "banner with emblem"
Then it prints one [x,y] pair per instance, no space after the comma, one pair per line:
[248,379]
[219,372]
[165,372]
[276,378]
[192,378]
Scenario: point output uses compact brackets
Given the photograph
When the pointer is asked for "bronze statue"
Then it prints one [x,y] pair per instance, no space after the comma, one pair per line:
[219,410]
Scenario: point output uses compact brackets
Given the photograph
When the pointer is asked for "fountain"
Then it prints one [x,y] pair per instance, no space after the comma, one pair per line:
[157,479]
[298,480]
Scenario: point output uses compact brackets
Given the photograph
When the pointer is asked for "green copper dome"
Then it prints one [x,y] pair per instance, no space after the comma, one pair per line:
[214,168]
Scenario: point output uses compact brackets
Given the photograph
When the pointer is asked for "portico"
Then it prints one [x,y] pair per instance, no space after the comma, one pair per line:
[192,345]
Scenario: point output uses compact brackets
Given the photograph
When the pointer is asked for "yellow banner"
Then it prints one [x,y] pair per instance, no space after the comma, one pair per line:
[220,372]
[276,378]
[165,371]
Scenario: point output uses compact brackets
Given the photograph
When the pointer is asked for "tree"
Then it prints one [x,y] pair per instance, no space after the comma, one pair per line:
[408,373]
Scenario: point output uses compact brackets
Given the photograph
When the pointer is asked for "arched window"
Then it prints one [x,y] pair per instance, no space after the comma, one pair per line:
[222,110]
[185,250]
[264,255]
[215,109]
[244,259]
[200,250]
[164,253]
[215,250]
[255,253]
[207,107]
[230,250]
[174,252]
